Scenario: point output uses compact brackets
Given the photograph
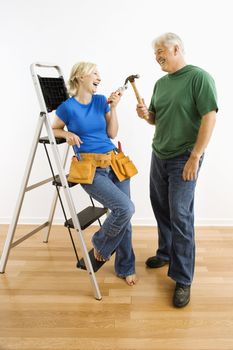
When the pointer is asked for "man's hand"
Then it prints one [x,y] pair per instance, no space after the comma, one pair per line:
[191,168]
[142,110]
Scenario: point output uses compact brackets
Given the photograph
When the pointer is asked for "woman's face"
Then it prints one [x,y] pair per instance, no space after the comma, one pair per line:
[91,81]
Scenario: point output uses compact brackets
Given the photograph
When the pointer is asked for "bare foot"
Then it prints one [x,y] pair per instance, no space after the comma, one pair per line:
[98,256]
[131,279]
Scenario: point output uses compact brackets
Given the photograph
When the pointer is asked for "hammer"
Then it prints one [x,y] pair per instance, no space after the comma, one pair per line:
[120,90]
[131,79]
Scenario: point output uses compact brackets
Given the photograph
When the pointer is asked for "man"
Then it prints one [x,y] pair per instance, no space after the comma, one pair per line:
[183,107]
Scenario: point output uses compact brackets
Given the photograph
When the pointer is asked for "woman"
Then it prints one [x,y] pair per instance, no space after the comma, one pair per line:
[91,121]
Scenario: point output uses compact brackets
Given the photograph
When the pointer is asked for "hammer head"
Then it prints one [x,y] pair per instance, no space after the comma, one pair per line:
[131,78]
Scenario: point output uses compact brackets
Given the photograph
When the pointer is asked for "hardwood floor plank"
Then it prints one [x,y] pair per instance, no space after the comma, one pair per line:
[47,303]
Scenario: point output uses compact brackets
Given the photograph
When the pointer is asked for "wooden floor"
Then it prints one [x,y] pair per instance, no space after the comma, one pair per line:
[47,303]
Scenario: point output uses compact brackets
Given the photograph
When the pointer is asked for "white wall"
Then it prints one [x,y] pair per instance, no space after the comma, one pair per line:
[117,35]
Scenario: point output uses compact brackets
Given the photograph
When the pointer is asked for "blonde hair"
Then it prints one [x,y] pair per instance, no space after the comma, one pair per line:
[168,39]
[78,70]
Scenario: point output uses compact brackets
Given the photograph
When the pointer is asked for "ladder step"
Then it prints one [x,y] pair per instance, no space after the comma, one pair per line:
[95,264]
[45,139]
[87,217]
[57,182]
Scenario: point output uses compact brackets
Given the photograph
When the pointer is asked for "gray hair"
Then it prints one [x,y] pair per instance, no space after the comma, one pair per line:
[168,39]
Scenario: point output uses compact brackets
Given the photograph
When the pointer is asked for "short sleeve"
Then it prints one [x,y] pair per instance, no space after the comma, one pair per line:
[106,105]
[205,93]
[62,112]
[151,106]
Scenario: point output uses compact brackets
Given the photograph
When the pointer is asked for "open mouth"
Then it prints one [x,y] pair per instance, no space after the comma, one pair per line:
[162,61]
[96,84]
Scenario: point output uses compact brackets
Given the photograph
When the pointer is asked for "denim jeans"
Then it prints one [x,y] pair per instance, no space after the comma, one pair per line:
[172,201]
[116,231]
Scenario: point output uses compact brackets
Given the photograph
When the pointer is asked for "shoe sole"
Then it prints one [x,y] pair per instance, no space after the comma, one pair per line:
[182,305]
[158,266]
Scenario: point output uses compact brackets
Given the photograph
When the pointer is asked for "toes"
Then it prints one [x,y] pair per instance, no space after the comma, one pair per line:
[98,256]
[131,280]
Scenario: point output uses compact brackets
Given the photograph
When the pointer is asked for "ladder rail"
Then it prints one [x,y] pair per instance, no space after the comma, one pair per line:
[60,200]
[15,218]
[37,229]
[55,199]
[72,208]
[38,184]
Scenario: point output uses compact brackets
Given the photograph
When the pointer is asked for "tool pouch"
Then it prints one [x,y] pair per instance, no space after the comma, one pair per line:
[82,171]
[122,166]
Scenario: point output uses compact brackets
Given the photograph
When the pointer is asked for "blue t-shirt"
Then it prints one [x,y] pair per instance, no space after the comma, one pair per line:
[88,122]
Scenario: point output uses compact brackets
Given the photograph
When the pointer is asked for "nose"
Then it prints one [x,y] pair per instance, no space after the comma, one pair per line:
[157,57]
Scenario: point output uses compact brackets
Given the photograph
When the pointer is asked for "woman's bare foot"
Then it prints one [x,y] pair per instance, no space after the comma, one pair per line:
[98,256]
[131,279]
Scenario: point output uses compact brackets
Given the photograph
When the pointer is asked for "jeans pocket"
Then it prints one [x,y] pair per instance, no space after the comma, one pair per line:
[113,230]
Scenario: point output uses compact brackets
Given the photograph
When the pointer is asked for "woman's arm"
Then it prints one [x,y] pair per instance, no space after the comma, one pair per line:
[111,117]
[58,130]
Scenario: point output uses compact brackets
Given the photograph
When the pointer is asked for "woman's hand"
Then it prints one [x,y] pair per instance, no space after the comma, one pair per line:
[114,98]
[73,139]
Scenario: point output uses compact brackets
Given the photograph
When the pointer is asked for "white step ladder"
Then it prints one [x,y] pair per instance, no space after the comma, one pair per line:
[51,91]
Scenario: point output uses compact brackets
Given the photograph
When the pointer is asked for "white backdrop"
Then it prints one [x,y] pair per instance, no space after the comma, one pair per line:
[117,35]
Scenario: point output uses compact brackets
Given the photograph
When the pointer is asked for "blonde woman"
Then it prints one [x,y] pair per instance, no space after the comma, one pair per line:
[91,121]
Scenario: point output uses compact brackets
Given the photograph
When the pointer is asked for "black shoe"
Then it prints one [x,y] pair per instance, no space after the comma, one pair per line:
[154,262]
[181,295]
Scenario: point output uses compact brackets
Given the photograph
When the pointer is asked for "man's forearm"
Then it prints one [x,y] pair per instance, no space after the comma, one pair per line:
[204,134]
[151,119]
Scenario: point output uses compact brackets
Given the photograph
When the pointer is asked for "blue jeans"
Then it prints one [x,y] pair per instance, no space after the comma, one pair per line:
[116,231]
[172,201]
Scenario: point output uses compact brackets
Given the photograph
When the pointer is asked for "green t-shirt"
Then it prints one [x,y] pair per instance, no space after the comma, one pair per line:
[179,101]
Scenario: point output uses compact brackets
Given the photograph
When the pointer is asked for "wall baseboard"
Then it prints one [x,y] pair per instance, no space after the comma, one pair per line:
[198,222]
[226,222]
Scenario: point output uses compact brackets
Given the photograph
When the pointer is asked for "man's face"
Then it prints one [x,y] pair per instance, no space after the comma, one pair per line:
[166,57]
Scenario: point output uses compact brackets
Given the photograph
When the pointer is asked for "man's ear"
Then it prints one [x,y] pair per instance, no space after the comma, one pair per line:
[176,49]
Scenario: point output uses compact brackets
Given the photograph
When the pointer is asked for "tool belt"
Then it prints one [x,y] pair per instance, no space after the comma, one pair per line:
[122,166]
[83,170]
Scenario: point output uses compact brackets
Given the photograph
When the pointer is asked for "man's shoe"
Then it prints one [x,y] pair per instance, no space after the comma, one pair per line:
[154,262]
[181,295]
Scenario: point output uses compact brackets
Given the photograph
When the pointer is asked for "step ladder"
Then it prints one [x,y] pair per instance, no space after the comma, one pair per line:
[51,91]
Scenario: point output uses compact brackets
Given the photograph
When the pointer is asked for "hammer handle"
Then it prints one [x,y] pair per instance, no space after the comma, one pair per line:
[138,97]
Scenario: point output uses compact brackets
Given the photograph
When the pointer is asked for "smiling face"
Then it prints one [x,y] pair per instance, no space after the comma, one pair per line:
[91,81]
[170,57]
[166,56]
